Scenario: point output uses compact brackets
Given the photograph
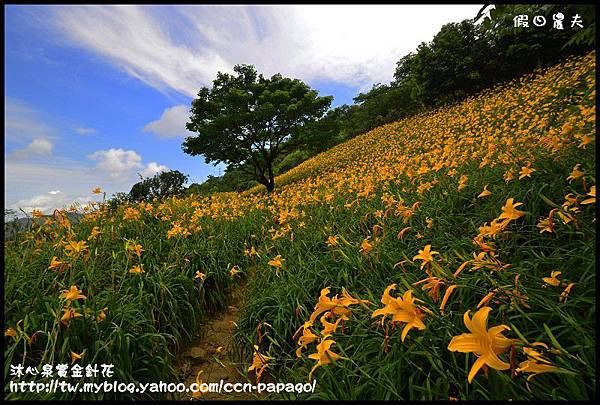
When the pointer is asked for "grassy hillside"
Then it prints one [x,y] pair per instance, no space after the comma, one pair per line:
[479,212]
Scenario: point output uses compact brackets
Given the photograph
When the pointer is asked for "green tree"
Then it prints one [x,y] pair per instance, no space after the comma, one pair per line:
[450,67]
[117,199]
[163,184]
[246,120]
[322,134]
[519,50]
[231,180]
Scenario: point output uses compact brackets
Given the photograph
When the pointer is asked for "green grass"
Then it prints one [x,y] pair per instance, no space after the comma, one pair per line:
[151,316]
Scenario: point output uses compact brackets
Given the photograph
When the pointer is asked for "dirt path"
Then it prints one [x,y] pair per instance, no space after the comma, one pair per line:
[213,354]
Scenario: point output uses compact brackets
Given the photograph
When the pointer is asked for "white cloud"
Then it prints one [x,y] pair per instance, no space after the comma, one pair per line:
[182,48]
[84,130]
[31,166]
[27,183]
[116,162]
[37,147]
[171,123]
[153,168]
[129,37]
[48,202]
[24,179]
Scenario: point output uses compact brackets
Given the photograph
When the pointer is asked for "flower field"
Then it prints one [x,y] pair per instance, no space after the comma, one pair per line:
[449,255]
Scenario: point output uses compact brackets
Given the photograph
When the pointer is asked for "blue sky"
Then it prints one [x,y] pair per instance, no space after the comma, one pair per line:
[95,95]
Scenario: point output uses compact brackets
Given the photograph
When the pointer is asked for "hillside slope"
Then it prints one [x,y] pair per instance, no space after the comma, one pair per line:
[448,180]
[483,212]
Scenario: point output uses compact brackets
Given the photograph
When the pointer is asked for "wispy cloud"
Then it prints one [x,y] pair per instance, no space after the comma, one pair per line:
[23,123]
[35,54]
[181,49]
[130,38]
[85,131]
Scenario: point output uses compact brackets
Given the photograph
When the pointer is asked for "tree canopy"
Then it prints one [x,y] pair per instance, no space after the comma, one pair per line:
[163,184]
[246,120]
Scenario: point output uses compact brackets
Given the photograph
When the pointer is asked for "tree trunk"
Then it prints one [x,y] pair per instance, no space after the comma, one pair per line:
[271,182]
[270,186]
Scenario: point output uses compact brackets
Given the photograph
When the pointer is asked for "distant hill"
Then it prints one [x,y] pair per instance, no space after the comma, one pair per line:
[17,225]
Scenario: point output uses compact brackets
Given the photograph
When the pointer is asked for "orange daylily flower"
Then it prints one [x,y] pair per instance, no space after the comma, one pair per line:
[178,230]
[536,363]
[426,255]
[337,306]
[69,313]
[276,262]
[54,263]
[433,284]
[485,344]
[484,193]
[545,225]
[137,249]
[586,140]
[509,210]
[525,172]
[462,182]
[575,173]
[250,252]
[259,363]
[102,315]
[347,300]
[37,213]
[565,294]
[449,291]
[486,247]
[137,269]
[332,241]
[304,340]
[72,294]
[553,280]
[494,228]
[131,213]
[197,393]
[402,309]
[328,327]
[403,231]
[323,355]
[508,176]
[10,332]
[535,367]
[76,356]
[234,270]
[366,246]
[592,194]
[73,248]
[94,233]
